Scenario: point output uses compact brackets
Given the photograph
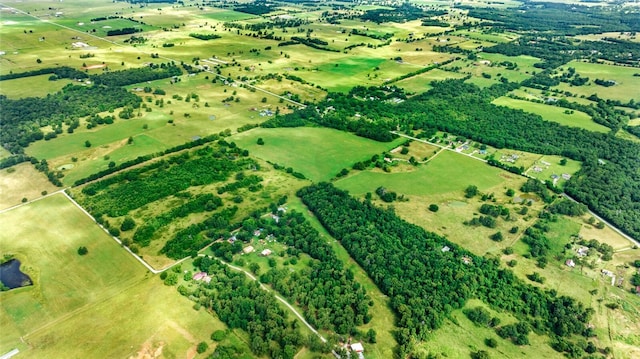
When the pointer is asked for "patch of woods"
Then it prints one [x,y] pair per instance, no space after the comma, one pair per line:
[324,289]
[407,263]
[22,119]
[204,37]
[241,304]
[608,183]
[558,19]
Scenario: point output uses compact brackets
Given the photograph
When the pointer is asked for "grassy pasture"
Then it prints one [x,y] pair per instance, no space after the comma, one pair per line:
[421,83]
[489,37]
[318,153]
[226,15]
[625,89]
[553,113]
[75,297]
[111,140]
[23,181]
[34,86]
[550,165]
[459,337]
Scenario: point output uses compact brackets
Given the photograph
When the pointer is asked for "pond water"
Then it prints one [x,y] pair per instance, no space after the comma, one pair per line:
[11,276]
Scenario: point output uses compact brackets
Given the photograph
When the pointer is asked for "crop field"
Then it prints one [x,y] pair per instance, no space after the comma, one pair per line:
[625,88]
[553,113]
[74,297]
[318,153]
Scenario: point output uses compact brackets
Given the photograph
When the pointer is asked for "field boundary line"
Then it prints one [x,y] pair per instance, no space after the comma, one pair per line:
[159,56]
[31,201]
[150,268]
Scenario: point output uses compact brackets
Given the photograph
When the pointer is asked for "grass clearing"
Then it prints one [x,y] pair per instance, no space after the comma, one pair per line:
[318,153]
[553,113]
[625,89]
[422,83]
[74,297]
[34,86]
[22,181]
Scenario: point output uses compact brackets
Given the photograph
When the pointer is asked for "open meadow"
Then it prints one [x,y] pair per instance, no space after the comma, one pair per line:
[179,91]
[625,87]
[318,153]
[552,113]
[105,298]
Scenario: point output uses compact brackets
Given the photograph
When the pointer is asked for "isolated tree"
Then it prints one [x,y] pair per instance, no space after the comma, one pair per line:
[260,141]
[83,250]
[433,207]
[471,191]
[127,224]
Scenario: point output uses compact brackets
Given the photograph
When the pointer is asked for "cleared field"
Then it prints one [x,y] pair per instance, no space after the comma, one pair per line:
[553,113]
[34,86]
[76,297]
[549,168]
[318,153]
[422,83]
[446,173]
[625,89]
[22,181]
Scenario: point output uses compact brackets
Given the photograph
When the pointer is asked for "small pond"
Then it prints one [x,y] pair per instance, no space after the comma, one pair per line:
[11,276]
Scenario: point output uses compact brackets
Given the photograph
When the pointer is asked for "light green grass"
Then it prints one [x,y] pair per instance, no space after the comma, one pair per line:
[625,89]
[553,113]
[422,83]
[75,298]
[318,153]
[22,181]
[34,86]
[447,172]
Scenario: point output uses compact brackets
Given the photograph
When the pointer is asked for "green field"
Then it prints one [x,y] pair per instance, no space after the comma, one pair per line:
[446,173]
[625,89]
[553,113]
[318,153]
[34,86]
[422,83]
[74,298]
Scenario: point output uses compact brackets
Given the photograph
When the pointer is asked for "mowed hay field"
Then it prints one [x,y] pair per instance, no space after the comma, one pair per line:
[103,304]
[318,153]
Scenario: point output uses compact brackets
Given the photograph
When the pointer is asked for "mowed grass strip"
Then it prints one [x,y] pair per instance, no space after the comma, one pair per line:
[553,113]
[318,153]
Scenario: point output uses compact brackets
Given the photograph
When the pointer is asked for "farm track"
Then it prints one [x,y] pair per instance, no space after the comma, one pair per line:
[284,98]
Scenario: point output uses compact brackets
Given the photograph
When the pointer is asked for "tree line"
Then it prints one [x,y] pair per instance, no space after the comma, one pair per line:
[424,282]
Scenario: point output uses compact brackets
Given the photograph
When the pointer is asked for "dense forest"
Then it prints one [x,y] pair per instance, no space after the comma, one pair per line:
[327,292]
[558,19]
[241,303]
[137,75]
[424,282]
